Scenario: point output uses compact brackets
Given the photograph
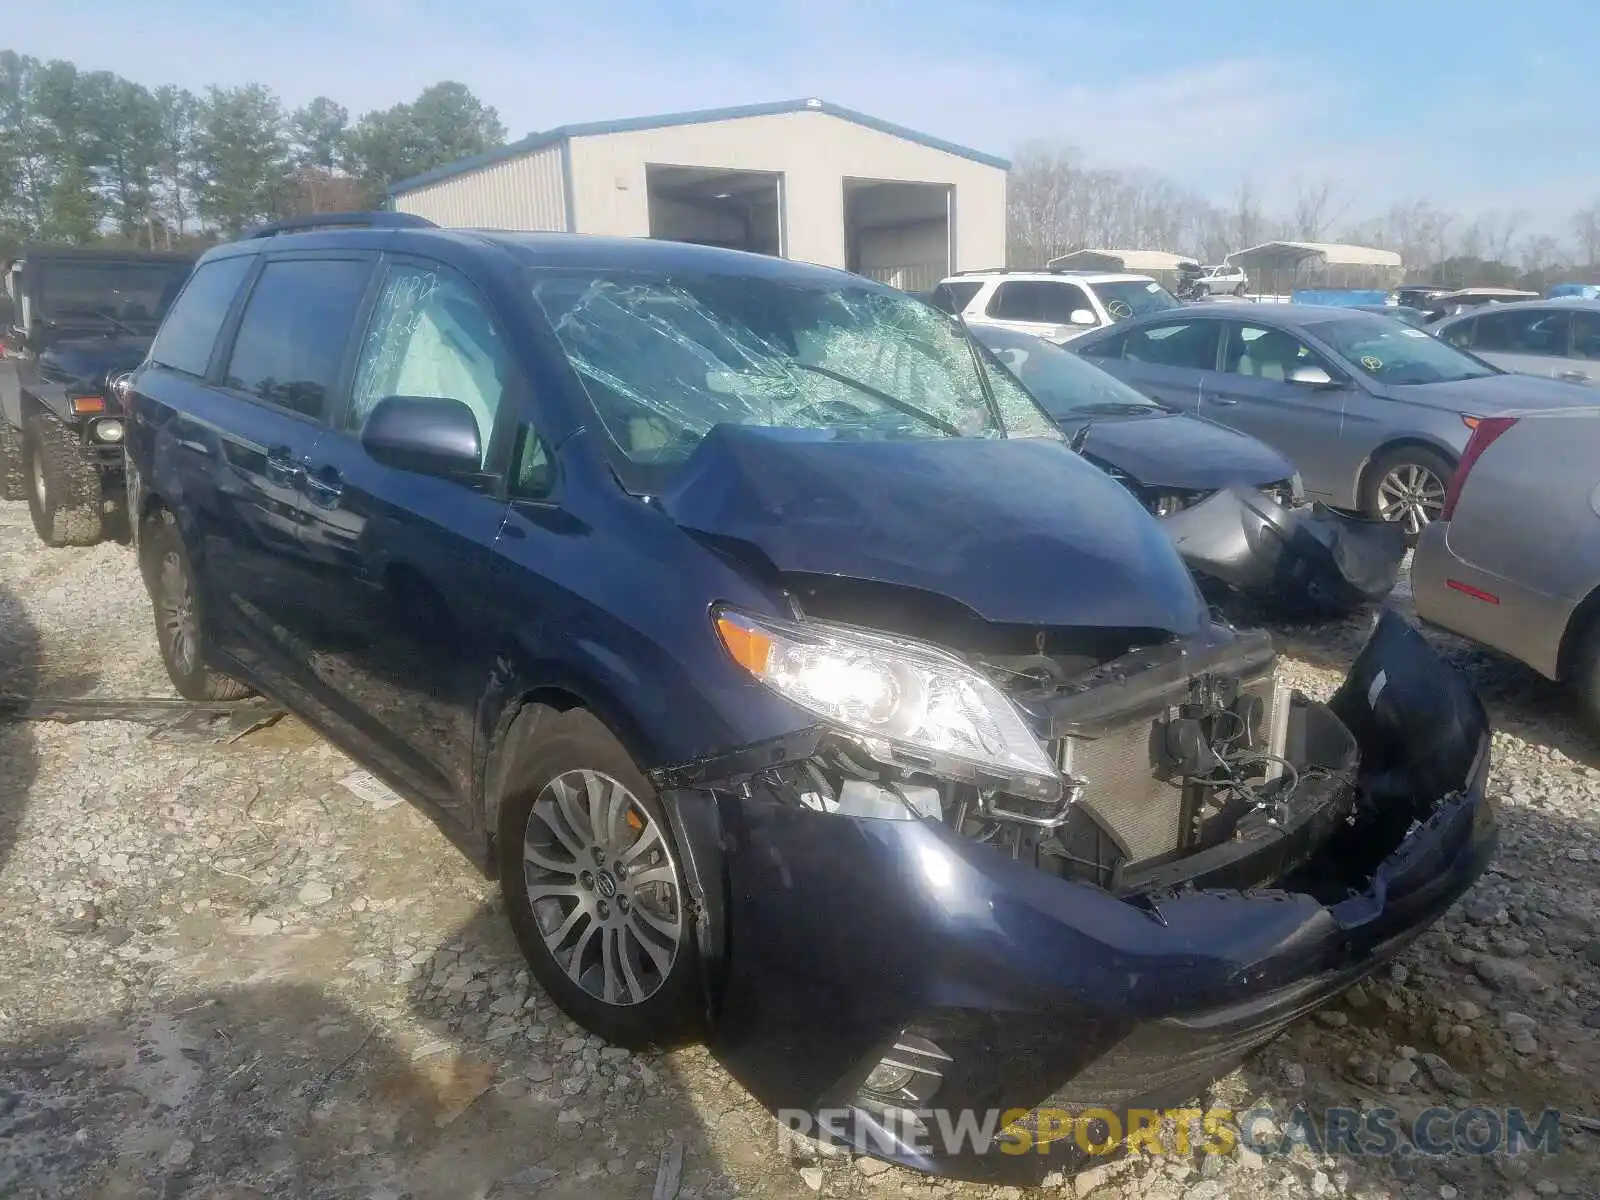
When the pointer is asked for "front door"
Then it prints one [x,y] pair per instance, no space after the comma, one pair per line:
[404,564]
[1533,341]
[1255,393]
[1042,307]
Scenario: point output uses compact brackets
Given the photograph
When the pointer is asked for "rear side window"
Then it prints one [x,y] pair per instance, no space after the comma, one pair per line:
[1586,335]
[954,297]
[190,330]
[295,328]
[1188,344]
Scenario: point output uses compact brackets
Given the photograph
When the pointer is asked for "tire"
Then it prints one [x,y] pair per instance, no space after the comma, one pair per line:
[65,494]
[1585,674]
[12,477]
[180,619]
[1406,485]
[590,915]
[1239,291]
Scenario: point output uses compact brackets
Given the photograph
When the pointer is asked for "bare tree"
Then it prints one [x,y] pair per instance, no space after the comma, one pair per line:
[1318,204]
[1586,228]
[1500,231]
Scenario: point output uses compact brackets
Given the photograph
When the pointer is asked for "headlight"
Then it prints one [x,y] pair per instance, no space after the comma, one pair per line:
[905,702]
[108,431]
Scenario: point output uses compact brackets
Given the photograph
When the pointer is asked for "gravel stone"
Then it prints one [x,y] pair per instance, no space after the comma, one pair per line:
[226,974]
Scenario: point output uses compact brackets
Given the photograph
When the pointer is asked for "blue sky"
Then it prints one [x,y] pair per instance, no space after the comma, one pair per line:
[1479,105]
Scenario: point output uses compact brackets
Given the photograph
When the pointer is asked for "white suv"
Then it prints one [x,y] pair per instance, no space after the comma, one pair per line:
[1055,305]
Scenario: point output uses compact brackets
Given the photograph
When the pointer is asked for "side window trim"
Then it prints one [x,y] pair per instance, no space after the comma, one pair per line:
[216,376]
[509,414]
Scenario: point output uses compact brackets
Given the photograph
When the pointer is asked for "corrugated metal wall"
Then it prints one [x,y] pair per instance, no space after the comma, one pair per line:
[529,192]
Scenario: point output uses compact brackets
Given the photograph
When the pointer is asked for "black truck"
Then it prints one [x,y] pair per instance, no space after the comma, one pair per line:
[73,319]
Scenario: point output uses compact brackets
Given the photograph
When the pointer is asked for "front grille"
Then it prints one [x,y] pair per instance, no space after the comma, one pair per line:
[1121,791]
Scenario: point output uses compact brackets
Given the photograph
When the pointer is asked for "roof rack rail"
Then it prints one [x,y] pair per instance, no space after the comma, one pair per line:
[1024,271]
[341,220]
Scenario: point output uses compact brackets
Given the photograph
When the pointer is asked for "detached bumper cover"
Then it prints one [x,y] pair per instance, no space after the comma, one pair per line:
[1309,561]
[846,936]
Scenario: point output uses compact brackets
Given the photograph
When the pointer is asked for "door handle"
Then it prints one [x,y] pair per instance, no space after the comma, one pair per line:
[281,467]
[324,488]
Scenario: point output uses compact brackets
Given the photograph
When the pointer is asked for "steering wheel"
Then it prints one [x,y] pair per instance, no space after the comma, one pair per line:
[1120,309]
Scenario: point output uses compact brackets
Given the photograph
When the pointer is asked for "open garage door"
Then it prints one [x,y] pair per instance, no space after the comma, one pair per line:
[898,233]
[738,210]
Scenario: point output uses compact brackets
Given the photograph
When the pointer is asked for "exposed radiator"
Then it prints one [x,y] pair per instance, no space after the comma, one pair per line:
[1118,770]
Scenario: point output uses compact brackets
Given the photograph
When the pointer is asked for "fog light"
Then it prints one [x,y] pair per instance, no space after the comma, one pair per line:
[908,1075]
[108,431]
[888,1078]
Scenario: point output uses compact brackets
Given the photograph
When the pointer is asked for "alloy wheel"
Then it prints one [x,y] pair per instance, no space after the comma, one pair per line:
[603,887]
[177,614]
[1411,495]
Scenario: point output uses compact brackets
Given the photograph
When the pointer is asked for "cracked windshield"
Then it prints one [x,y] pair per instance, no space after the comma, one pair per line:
[665,358]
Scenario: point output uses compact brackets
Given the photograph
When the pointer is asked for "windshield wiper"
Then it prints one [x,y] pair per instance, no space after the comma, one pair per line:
[894,402]
[984,383]
[55,323]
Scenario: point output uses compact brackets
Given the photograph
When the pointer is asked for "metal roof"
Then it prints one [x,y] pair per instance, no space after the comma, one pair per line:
[562,133]
[1331,253]
[1123,260]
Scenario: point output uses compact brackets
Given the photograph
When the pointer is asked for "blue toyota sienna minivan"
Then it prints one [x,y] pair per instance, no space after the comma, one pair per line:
[802,688]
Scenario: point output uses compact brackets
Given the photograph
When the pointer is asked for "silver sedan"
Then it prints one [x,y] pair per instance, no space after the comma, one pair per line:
[1514,560]
[1373,413]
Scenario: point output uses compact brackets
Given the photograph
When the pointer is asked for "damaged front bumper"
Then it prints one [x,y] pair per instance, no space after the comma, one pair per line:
[1305,561]
[897,987]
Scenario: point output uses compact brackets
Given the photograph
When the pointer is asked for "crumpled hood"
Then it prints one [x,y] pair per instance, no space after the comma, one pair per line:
[1174,451]
[90,360]
[1494,394]
[1020,531]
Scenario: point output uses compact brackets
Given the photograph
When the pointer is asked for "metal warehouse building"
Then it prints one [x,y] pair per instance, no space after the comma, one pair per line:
[803,179]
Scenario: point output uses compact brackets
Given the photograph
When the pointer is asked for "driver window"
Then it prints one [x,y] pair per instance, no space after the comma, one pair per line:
[1265,353]
[430,336]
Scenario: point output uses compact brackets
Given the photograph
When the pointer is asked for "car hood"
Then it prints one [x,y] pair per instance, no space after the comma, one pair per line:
[91,359]
[1019,531]
[1495,394]
[1174,451]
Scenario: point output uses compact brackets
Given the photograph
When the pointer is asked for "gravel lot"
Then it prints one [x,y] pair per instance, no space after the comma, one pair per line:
[223,973]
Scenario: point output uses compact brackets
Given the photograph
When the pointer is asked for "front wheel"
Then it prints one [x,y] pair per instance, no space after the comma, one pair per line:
[65,493]
[175,598]
[1407,487]
[594,889]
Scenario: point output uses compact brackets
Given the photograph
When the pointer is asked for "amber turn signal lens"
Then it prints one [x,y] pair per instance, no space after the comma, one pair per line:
[88,404]
[750,649]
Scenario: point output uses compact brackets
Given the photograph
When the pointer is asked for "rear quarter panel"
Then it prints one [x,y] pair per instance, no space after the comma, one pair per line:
[1527,528]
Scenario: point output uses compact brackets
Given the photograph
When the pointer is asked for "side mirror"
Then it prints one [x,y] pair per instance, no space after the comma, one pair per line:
[1311,377]
[1082,316]
[427,435]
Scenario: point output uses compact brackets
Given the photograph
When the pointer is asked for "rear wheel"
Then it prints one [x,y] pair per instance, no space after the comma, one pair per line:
[593,888]
[1585,674]
[1406,487]
[175,598]
[12,476]
[65,494]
